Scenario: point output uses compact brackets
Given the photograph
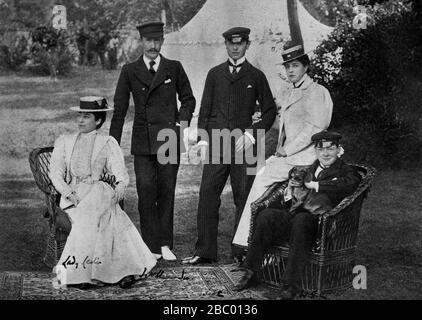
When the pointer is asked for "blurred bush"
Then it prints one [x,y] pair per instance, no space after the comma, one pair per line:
[14,54]
[51,51]
[373,75]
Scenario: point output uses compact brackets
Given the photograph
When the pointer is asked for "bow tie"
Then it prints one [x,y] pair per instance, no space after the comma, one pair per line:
[322,167]
[235,65]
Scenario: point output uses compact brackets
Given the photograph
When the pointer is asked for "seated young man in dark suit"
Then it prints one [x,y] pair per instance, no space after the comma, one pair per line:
[330,176]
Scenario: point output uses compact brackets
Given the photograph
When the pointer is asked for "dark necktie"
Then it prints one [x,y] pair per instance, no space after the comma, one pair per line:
[234,71]
[151,67]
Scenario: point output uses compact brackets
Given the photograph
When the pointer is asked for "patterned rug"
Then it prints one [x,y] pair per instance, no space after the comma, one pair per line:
[211,282]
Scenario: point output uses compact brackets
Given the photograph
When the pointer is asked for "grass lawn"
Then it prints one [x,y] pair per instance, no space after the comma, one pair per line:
[34,111]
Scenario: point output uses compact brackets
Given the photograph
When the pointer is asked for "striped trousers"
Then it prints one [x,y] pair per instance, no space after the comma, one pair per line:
[214,178]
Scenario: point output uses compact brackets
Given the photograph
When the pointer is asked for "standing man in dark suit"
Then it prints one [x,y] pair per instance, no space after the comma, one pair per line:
[334,180]
[232,91]
[155,83]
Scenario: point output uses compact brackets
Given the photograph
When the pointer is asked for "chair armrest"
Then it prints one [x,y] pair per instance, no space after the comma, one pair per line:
[39,161]
[273,195]
[340,225]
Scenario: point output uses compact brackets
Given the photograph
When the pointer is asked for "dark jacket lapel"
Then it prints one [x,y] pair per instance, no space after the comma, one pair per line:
[226,71]
[331,171]
[313,167]
[246,67]
[141,72]
[161,75]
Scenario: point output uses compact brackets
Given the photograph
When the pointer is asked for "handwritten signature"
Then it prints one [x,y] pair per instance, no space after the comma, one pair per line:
[161,275]
[71,261]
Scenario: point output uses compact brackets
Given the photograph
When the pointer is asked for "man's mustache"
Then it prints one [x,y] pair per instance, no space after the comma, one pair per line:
[153,50]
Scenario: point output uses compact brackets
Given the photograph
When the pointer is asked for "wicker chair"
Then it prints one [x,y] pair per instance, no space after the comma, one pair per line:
[59,226]
[332,259]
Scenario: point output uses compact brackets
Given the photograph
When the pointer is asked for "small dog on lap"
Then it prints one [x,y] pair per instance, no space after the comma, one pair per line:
[302,197]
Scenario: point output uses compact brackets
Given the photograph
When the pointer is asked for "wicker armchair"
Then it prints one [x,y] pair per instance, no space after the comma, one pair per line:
[332,259]
[59,225]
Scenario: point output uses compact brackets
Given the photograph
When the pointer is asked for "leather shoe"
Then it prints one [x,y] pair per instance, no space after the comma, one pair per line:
[248,279]
[239,259]
[289,293]
[196,260]
[127,282]
[83,286]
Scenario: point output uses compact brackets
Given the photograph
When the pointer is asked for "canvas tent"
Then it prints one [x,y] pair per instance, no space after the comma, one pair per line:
[199,45]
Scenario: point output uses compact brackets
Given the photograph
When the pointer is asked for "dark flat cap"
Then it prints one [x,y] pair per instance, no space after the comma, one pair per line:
[292,51]
[326,136]
[237,34]
[151,29]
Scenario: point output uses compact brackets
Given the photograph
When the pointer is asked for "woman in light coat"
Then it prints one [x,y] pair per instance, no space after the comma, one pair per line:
[304,110]
[103,247]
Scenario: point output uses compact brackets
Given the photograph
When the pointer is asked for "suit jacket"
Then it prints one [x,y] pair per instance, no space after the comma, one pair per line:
[303,112]
[155,103]
[229,101]
[106,154]
[338,181]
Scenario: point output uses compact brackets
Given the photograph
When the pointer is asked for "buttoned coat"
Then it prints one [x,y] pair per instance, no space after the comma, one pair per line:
[303,112]
[338,181]
[155,100]
[229,101]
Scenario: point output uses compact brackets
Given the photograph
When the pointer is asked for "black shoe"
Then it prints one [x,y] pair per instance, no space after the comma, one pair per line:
[248,279]
[83,286]
[127,282]
[196,260]
[239,259]
[289,293]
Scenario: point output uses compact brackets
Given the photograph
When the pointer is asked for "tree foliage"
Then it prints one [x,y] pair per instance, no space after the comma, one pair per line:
[334,12]
[23,14]
[113,14]
[370,73]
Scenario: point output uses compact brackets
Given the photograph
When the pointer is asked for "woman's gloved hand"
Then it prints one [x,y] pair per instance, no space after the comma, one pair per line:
[119,192]
[72,197]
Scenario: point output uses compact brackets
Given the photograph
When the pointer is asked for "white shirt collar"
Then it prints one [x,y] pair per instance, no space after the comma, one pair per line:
[303,82]
[241,60]
[147,60]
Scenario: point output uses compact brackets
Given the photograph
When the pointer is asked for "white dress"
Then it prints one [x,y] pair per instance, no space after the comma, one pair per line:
[103,245]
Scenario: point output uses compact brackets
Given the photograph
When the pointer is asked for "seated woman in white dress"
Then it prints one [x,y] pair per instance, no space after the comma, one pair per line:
[304,109]
[104,246]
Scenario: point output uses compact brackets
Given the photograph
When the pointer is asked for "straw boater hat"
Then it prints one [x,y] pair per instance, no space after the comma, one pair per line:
[92,104]
[292,52]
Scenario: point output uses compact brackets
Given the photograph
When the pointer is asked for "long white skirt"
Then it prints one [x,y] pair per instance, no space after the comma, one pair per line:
[103,245]
[276,170]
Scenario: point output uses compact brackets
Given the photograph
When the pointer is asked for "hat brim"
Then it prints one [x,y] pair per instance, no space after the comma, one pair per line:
[294,58]
[78,109]
[152,35]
